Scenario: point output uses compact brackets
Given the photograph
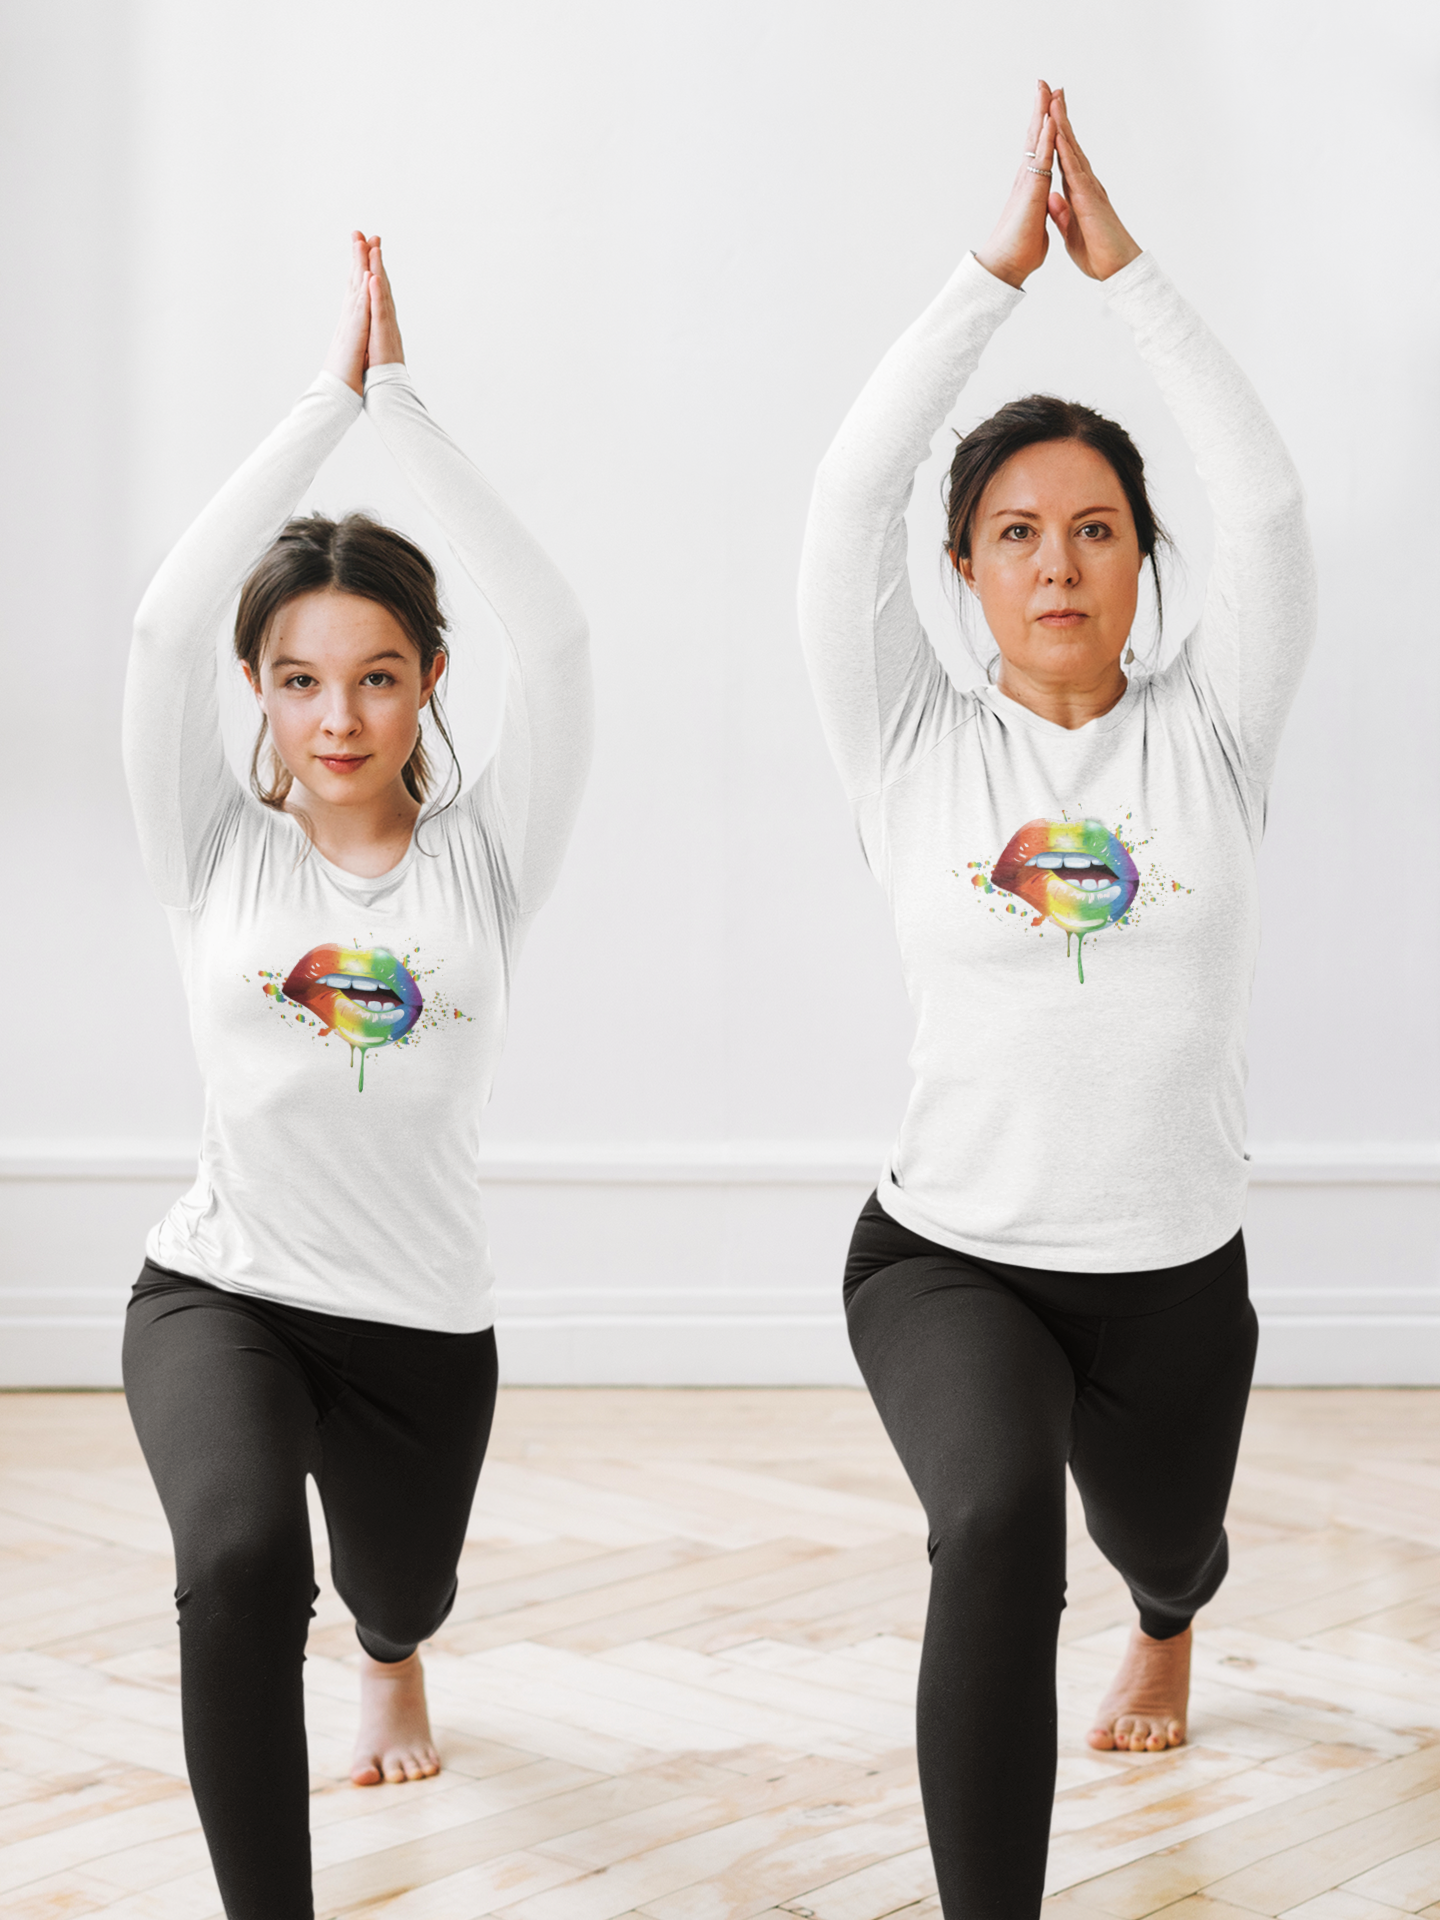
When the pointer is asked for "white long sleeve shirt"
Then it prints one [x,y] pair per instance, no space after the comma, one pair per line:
[348,1029]
[1076,909]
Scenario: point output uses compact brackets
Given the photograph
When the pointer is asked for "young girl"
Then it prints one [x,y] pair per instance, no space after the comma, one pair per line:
[1052,1268]
[320,1301]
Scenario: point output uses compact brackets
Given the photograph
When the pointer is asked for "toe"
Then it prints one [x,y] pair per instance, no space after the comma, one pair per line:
[394,1768]
[365,1773]
[1102,1739]
[1175,1733]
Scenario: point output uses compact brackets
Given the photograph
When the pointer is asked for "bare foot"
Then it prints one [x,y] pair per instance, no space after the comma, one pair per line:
[1144,1711]
[394,1740]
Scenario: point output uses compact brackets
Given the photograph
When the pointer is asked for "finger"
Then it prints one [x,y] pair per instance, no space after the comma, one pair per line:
[1040,170]
[382,278]
[1058,207]
[1060,115]
[1037,116]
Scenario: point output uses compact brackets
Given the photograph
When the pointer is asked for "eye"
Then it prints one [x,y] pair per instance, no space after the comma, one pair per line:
[1017,533]
[1094,530]
[302,682]
[378,678]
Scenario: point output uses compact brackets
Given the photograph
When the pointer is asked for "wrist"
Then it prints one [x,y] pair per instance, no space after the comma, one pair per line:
[1010,271]
[1120,258]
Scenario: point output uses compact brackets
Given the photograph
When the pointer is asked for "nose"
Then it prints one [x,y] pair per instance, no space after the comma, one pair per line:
[1059,563]
[340,720]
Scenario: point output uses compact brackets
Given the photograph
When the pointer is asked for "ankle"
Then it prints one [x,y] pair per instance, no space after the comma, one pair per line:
[1179,1639]
[389,1669]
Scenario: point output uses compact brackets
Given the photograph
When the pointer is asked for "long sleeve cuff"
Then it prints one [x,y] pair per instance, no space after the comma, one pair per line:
[394,373]
[1124,292]
[334,388]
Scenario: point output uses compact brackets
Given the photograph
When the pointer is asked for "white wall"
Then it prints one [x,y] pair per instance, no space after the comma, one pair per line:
[645,256]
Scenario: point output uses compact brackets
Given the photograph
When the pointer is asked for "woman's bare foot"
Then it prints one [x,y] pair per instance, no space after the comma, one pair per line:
[1144,1711]
[394,1740]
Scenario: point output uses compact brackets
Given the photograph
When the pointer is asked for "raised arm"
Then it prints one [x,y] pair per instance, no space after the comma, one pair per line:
[881,689]
[538,773]
[180,785]
[1254,635]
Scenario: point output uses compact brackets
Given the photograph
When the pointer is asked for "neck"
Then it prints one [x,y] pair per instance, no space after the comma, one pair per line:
[364,837]
[1065,703]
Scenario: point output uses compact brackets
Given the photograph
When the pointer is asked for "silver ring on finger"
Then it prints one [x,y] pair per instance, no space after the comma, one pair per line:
[1046,171]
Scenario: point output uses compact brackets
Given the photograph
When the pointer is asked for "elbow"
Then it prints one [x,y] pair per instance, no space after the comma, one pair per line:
[150,635]
[570,629]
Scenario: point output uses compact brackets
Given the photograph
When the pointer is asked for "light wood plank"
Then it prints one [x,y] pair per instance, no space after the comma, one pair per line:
[678,1682]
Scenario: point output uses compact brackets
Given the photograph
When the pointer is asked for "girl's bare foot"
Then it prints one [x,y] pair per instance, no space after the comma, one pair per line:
[394,1740]
[1144,1711]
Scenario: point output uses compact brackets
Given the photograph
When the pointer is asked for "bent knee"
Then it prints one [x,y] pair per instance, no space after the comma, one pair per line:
[400,1619]
[1008,1523]
[263,1569]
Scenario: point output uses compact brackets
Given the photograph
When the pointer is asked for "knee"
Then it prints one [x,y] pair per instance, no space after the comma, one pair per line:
[1012,1524]
[247,1577]
[400,1620]
[1180,1581]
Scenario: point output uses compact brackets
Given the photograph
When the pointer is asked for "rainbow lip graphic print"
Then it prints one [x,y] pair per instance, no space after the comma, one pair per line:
[368,997]
[1074,872]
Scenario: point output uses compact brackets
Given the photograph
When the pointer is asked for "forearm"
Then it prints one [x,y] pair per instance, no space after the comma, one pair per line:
[541,763]
[173,753]
[1259,615]
[530,596]
[1248,474]
[863,641]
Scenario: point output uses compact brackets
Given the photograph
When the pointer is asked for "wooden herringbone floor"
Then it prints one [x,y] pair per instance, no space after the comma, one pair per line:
[678,1683]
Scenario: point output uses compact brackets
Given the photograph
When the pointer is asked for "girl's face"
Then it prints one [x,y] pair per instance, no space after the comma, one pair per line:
[1055,563]
[341,686]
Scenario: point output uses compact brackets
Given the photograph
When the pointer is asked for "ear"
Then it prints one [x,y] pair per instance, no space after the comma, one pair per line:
[250,679]
[965,570]
[432,679]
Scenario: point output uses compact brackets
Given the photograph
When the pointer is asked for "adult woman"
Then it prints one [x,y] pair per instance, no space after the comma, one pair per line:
[320,1301]
[1052,1266]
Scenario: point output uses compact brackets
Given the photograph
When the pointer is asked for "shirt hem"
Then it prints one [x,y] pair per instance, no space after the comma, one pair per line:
[177,1261]
[1050,1259]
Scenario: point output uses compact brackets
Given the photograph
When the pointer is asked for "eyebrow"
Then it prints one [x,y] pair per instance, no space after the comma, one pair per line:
[1024,513]
[285,660]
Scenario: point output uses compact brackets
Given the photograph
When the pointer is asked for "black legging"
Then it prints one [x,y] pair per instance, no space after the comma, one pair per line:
[235,1401]
[989,1378]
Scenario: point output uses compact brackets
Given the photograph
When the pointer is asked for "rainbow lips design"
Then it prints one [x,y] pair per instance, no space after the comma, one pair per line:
[1074,872]
[368,997]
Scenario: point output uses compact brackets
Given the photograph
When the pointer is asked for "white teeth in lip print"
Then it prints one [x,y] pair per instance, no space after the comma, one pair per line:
[1080,871]
[366,993]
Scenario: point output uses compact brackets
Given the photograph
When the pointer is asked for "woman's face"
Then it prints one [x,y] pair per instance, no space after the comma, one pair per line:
[1055,563]
[341,686]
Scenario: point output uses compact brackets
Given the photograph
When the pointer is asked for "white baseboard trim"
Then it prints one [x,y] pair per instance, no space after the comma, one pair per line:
[711,1163]
[705,1263]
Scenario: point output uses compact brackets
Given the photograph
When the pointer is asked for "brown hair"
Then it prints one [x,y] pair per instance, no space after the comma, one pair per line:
[354,555]
[1032,421]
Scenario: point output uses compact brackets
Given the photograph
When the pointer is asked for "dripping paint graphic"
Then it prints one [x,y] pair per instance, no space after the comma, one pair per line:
[1074,873]
[364,995]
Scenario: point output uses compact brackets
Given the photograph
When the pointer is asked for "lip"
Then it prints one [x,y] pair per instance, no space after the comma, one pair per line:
[367,996]
[342,762]
[1063,617]
[1074,872]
